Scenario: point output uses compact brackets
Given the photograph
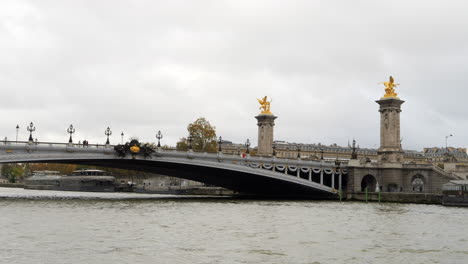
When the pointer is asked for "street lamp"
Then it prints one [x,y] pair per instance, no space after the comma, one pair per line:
[70,131]
[122,135]
[189,140]
[108,132]
[159,136]
[274,150]
[31,128]
[247,145]
[298,151]
[446,139]
[17,130]
[220,142]
[321,153]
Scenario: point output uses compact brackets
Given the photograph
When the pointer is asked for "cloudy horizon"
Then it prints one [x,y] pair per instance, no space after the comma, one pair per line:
[144,66]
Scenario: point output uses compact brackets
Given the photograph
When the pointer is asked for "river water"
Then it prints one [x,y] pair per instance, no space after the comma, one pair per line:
[72,227]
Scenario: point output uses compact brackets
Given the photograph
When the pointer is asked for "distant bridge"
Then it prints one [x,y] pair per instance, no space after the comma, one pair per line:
[250,175]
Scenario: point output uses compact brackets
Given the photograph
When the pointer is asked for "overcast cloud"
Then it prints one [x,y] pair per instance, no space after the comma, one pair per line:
[144,66]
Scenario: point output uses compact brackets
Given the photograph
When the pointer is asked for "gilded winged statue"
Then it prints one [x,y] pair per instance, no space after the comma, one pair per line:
[389,88]
[264,105]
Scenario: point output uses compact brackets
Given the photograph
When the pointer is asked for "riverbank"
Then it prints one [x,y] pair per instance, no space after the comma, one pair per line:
[12,185]
[390,197]
[396,197]
[187,190]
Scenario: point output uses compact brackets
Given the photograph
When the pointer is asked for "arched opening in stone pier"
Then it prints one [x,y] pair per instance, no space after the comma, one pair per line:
[368,182]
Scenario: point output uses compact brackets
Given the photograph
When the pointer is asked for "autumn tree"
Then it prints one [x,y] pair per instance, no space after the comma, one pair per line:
[182,145]
[203,136]
[66,169]
[14,172]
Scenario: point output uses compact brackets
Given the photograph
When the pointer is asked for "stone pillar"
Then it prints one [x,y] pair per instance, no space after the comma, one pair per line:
[265,123]
[390,150]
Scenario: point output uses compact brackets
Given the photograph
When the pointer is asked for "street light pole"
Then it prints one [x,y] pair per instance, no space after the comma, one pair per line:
[70,131]
[247,145]
[220,142]
[446,140]
[159,136]
[108,132]
[17,130]
[189,140]
[31,128]
[122,136]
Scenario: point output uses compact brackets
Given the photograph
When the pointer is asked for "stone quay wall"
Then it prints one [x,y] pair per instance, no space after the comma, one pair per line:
[419,198]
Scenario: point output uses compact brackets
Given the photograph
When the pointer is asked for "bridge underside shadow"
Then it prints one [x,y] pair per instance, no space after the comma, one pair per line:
[243,183]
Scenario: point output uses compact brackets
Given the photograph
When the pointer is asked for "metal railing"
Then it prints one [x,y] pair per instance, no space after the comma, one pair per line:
[220,157]
[32,143]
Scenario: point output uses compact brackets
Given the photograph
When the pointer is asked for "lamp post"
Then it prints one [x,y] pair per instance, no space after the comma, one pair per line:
[31,128]
[247,145]
[299,151]
[70,131]
[17,130]
[189,140]
[108,132]
[337,171]
[274,150]
[159,136]
[446,140]
[122,135]
[321,153]
[220,142]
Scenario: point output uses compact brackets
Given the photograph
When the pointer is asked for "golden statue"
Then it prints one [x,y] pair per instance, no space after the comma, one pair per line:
[265,106]
[134,149]
[389,88]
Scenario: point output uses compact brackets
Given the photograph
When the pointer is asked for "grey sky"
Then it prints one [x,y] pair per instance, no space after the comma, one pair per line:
[144,66]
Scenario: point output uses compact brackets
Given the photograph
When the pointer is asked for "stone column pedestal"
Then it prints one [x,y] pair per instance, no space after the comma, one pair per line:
[265,123]
[390,150]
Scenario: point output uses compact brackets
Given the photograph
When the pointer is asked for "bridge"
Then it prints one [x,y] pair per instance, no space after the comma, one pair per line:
[250,175]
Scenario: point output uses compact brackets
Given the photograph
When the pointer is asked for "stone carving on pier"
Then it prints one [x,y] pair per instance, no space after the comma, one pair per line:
[390,88]
[134,147]
[265,106]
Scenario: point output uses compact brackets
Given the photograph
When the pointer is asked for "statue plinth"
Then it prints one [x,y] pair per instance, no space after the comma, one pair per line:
[390,150]
[265,123]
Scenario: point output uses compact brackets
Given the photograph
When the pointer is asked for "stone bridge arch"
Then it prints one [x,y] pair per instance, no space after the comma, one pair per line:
[369,182]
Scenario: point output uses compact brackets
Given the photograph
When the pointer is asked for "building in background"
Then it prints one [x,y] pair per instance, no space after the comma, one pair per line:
[449,154]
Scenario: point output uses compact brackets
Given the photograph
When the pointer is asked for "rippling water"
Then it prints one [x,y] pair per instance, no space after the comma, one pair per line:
[70,227]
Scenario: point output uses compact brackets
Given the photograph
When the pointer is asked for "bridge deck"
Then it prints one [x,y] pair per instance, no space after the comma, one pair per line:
[249,174]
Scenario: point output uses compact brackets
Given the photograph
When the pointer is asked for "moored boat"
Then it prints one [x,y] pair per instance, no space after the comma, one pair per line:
[88,181]
[80,180]
[455,193]
[43,180]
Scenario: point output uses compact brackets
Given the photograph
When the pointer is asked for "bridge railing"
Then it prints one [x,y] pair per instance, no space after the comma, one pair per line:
[219,157]
[45,143]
